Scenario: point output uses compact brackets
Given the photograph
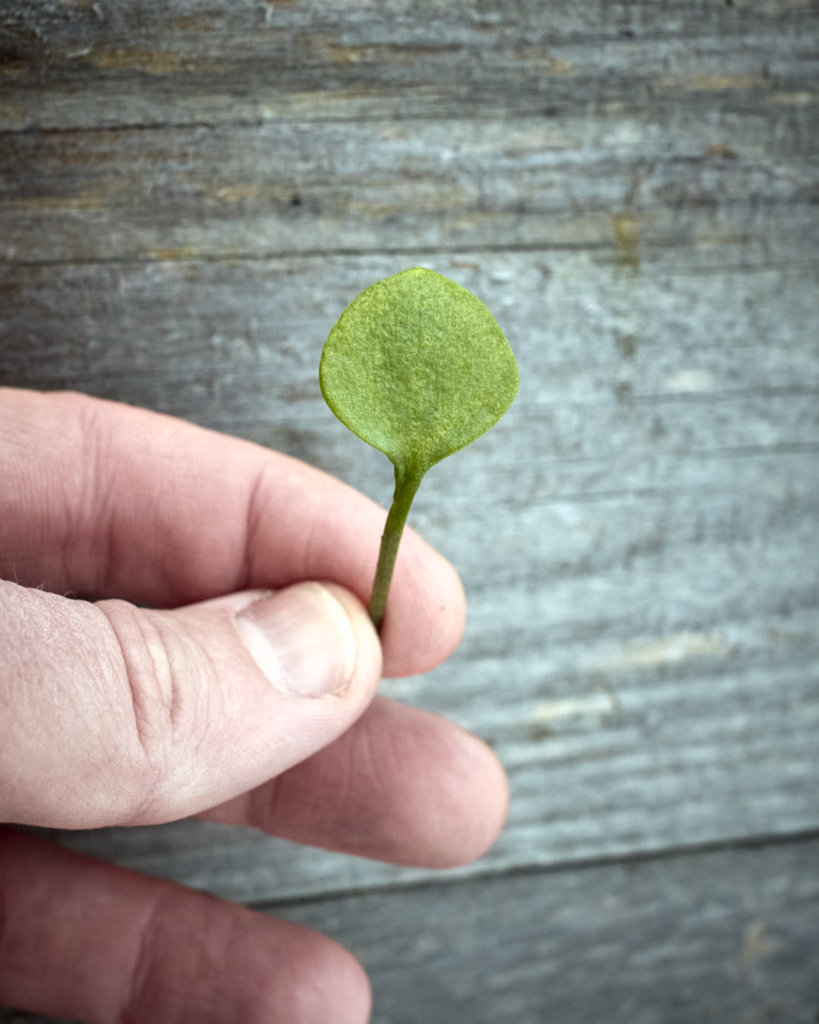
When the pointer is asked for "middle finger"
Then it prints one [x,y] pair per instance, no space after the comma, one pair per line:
[401,785]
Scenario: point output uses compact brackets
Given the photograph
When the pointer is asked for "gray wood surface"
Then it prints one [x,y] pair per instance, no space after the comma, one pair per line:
[723,935]
[190,193]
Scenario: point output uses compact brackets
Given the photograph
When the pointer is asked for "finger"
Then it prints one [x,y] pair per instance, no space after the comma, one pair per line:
[114,714]
[97,943]
[104,499]
[402,785]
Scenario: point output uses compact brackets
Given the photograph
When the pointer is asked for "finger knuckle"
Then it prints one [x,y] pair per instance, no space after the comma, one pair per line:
[162,717]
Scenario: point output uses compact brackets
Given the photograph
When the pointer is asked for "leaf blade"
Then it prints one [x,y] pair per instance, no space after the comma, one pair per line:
[417,367]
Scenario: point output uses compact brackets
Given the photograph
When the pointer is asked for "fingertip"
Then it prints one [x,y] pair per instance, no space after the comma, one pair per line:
[312,978]
[472,803]
[490,791]
[369,655]
[426,611]
[94,941]
[337,987]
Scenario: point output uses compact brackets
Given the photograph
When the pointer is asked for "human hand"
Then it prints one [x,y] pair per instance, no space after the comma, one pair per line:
[241,694]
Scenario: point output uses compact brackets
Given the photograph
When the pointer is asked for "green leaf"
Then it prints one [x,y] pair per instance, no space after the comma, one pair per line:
[417,367]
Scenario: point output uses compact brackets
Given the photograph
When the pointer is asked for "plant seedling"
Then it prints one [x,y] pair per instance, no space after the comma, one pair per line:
[417,367]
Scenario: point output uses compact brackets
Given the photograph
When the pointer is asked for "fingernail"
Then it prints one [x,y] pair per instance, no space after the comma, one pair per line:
[302,639]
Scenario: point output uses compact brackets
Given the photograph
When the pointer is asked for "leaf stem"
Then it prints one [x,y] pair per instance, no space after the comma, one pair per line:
[406,484]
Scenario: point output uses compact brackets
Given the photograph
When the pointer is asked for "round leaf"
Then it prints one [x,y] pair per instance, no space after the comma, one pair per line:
[417,367]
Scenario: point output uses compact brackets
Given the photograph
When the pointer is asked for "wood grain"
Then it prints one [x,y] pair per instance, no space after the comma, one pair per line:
[273,189]
[193,62]
[724,936]
[727,935]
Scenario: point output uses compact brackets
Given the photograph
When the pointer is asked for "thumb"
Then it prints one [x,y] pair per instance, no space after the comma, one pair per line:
[113,714]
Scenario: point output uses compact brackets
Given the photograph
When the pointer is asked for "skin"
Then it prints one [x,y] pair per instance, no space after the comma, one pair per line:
[143,705]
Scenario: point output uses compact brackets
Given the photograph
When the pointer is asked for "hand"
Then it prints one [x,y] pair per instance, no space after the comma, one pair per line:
[230,688]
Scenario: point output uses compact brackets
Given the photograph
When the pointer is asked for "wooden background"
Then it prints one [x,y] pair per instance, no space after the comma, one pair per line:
[191,191]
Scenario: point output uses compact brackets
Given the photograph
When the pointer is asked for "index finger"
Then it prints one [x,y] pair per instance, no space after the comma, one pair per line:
[106,499]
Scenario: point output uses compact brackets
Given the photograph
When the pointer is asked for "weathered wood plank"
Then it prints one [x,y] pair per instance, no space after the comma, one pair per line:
[280,189]
[729,935]
[191,61]
[674,331]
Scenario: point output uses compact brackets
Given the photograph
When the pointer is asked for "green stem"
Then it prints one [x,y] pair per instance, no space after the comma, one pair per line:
[405,487]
